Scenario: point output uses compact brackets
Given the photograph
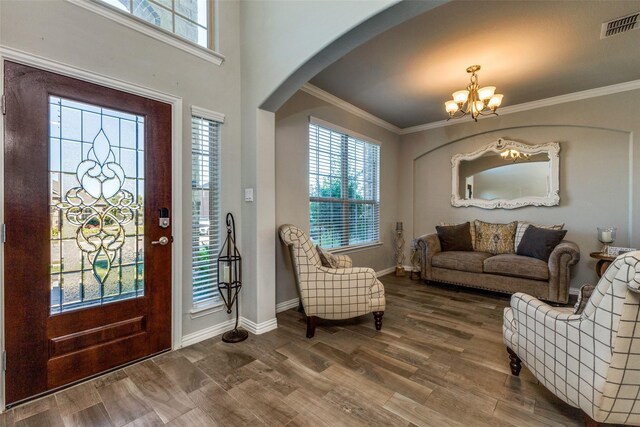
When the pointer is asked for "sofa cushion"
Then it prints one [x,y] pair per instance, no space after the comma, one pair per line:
[540,242]
[523,225]
[495,238]
[455,237]
[517,266]
[460,260]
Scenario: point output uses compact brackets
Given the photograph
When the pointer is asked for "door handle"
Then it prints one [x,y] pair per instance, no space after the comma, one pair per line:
[162,241]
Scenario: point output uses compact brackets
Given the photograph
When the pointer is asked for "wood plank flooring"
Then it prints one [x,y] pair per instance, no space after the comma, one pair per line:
[438,361]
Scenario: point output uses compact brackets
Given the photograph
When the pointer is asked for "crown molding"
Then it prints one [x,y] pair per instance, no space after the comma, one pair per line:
[547,102]
[340,103]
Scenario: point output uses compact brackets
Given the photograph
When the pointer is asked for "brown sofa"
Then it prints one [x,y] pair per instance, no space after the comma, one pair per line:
[508,273]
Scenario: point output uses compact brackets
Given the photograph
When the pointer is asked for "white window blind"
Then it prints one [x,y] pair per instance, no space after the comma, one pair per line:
[344,197]
[205,219]
[189,19]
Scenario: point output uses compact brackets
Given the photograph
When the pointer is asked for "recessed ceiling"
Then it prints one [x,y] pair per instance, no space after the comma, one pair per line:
[529,50]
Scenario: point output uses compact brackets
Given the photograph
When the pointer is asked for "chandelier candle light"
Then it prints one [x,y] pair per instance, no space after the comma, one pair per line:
[475,100]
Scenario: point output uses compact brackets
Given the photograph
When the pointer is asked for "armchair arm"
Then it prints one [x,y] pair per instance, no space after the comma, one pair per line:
[344,261]
[561,259]
[429,244]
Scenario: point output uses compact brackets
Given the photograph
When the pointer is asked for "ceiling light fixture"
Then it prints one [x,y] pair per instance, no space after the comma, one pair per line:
[514,155]
[474,100]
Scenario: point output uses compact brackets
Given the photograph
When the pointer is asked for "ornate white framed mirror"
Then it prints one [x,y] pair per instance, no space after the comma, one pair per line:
[506,175]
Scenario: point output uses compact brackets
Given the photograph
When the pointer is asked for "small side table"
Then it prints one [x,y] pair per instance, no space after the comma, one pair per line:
[603,263]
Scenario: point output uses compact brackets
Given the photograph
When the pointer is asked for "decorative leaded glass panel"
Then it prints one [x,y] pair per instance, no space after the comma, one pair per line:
[96,168]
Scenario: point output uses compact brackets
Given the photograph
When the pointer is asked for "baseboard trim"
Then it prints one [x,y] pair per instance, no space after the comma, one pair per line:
[221,328]
[259,328]
[287,305]
[207,333]
[574,291]
[407,268]
[385,271]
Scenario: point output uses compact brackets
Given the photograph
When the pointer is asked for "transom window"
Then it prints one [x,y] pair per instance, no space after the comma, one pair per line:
[189,19]
[344,197]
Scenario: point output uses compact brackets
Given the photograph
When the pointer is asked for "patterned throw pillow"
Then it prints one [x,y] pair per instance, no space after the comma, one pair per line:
[472,226]
[326,258]
[495,238]
[522,227]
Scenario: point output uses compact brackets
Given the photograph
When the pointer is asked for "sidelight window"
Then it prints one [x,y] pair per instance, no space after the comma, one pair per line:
[205,219]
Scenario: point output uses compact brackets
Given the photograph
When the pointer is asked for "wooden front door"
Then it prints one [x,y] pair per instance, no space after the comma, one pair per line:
[87,283]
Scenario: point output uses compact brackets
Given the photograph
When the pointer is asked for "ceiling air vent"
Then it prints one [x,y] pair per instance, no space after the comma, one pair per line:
[619,25]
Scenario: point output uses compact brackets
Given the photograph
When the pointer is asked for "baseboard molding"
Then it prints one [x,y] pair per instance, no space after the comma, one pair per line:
[287,305]
[259,328]
[207,333]
[386,271]
[574,291]
[407,268]
[221,328]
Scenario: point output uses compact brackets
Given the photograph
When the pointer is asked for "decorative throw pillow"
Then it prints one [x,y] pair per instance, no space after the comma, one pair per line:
[495,238]
[326,258]
[583,298]
[539,242]
[455,237]
[522,226]
[472,231]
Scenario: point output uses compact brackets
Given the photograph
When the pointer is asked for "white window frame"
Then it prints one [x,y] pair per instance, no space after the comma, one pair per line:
[209,305]
[347,134]
[129,20]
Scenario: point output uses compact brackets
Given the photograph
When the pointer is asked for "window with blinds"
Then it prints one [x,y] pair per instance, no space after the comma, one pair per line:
[205,200]
[344,196]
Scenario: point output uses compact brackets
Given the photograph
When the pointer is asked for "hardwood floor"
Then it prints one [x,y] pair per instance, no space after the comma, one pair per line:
[438,361]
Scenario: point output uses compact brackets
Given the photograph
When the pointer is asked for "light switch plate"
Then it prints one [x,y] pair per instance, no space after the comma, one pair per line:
[248,194]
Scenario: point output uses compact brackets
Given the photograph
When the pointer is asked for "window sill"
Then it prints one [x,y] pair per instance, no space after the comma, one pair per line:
[150,30]
[359,248]
[206,308]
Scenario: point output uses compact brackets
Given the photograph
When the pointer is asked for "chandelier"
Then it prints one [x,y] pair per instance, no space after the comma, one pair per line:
[514,155]
[474,100]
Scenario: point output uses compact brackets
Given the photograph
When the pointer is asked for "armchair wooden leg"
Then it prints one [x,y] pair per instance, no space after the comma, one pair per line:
[515,363]
[300,307]
[311,326]
[590,422]
[377,316]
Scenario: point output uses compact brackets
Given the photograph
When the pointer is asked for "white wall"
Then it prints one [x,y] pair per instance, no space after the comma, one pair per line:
[598,171]
[292,182]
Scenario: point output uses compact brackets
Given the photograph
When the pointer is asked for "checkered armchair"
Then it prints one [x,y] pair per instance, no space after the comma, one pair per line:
[331,293]
[589,360]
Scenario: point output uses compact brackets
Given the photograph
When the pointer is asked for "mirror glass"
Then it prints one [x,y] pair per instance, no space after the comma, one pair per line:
[506,174]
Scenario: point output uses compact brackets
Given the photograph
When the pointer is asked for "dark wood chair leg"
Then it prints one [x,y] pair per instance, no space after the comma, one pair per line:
[515,362]
[377,316]
[590,422]
[300,307]
[311,326]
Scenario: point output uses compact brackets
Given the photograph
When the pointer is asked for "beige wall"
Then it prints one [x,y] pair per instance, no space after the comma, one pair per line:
[292,185]
[598,168]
